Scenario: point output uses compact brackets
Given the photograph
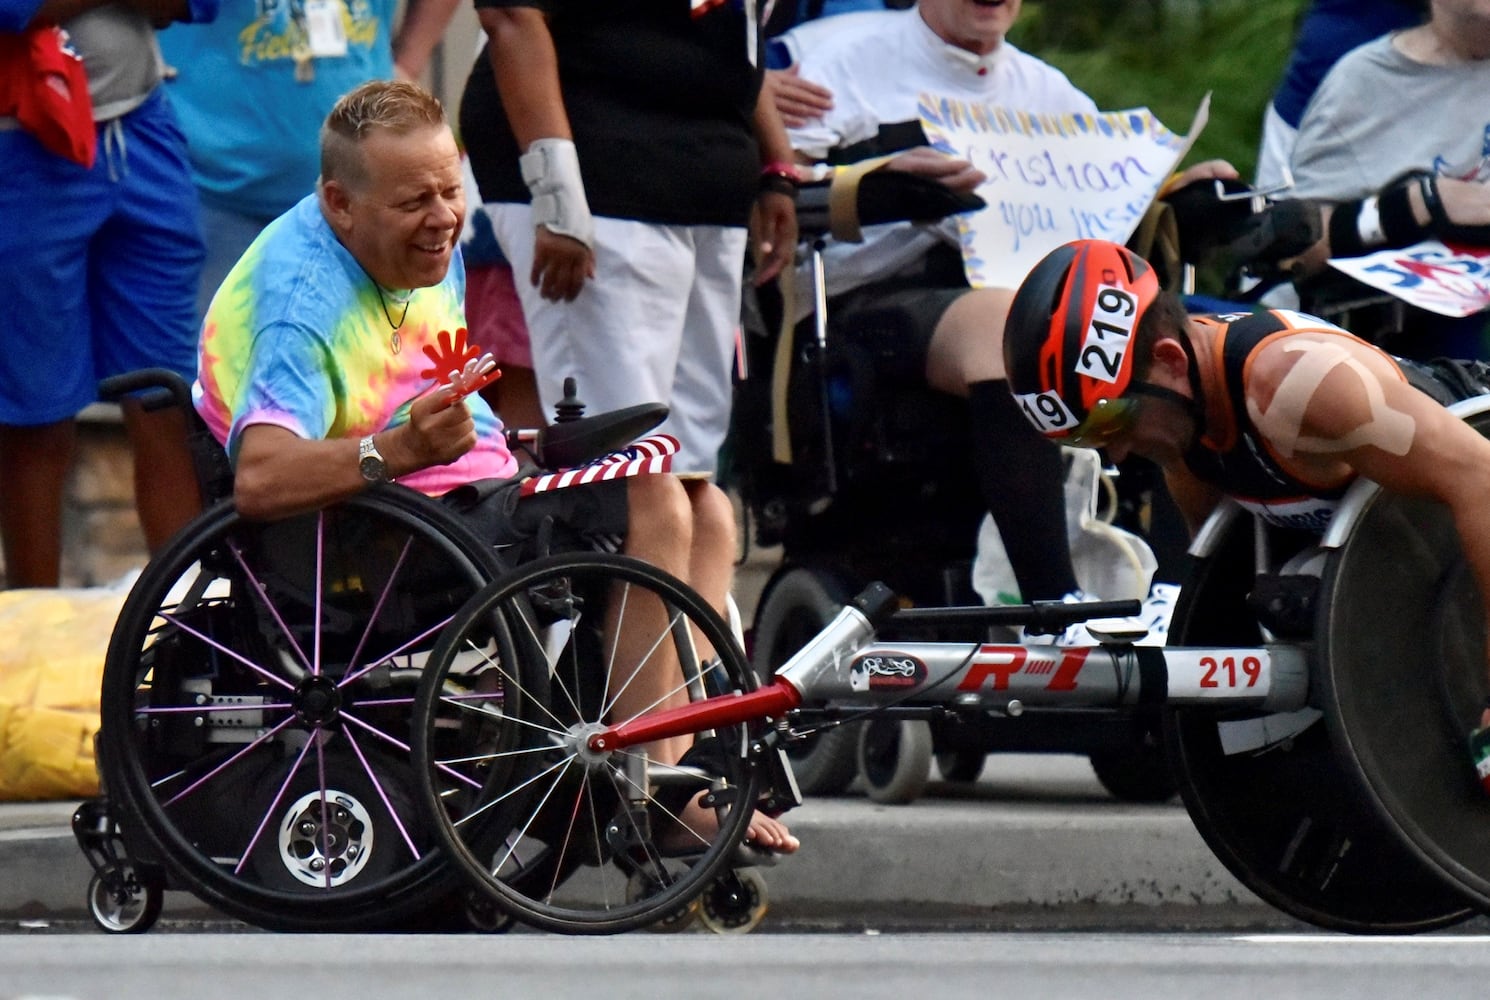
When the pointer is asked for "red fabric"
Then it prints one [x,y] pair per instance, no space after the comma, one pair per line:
[44,85]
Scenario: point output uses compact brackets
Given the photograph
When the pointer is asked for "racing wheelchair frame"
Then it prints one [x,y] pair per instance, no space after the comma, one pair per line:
[854,466]
[1286,693]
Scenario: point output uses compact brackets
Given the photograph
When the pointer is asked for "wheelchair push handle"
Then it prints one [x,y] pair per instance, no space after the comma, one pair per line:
[160,388]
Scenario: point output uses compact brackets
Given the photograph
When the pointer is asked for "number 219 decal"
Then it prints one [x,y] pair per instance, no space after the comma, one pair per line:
[1107,336]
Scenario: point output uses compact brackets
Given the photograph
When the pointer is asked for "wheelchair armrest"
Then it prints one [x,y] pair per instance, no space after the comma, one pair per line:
[575,442]
[170,389]
[884,196]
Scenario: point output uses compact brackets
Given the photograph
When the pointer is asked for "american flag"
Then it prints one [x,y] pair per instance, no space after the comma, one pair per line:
[649,455]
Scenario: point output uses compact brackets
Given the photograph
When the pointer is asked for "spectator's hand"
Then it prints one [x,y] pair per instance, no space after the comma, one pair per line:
[798,101]
[959,175]
[1204,171]
[773,234]
[561,265]
[440,430]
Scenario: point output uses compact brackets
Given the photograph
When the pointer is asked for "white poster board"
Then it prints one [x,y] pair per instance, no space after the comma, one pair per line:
[1051,178]
[1451,281]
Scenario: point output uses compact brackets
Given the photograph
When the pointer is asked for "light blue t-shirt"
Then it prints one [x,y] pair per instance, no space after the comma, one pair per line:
[252,127]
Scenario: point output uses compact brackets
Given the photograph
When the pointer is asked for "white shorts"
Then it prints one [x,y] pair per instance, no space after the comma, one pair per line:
[656,324]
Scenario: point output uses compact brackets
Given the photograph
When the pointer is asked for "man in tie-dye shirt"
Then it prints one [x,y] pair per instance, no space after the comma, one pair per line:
[312,372]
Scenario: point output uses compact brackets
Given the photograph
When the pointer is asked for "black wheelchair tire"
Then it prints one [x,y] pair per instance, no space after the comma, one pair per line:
[794,608]
[385,901]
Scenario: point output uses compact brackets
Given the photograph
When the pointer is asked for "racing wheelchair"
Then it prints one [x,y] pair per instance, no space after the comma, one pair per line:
[1314,694]
[845,458]
[256,698]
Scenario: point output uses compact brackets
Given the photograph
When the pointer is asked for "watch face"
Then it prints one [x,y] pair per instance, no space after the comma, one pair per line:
[372,468]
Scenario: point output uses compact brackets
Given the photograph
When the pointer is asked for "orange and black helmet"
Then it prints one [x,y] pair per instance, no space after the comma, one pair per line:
[1069,337]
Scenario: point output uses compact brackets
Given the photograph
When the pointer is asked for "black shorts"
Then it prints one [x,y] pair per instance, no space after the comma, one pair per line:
[895,318]
[590,516]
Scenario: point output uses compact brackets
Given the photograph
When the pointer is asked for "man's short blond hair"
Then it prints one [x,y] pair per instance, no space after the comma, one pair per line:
[395,106]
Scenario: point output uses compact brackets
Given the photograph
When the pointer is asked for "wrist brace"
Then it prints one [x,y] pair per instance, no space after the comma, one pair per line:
[550,168]
[1384,219]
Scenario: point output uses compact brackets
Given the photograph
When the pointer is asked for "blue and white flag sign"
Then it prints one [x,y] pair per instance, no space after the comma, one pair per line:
[1052,178]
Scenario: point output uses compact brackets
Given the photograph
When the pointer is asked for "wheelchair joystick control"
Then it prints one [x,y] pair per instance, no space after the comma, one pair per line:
[570,407]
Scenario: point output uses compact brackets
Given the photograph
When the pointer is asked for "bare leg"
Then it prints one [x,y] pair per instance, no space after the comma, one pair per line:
[661,533]
[34,462]
[166,491]
[968,343]
[711,574]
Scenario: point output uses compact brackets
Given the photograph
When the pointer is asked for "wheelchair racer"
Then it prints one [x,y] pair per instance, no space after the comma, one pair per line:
[1277,409]
[313,372]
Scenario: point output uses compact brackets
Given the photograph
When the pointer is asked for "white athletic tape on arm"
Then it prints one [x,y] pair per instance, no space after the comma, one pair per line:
[550,168]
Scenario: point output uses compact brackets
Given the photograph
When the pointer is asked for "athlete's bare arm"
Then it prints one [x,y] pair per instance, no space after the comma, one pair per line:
[1329,402]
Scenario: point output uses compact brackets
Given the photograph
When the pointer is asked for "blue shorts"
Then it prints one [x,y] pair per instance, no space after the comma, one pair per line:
[101,265]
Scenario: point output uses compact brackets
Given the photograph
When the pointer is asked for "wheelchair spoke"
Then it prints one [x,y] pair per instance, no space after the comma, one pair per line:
[354,673]
[382,794]
[278,797]
[268,675]
[259,740]
[465,817]
[377,610]
[263,595]
[385,737]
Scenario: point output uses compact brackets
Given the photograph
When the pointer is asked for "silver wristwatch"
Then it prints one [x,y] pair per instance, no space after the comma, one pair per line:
[370,463]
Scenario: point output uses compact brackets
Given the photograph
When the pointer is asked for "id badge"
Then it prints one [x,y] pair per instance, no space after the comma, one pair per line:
[324,27]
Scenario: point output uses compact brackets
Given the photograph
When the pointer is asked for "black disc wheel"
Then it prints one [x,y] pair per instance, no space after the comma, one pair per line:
[1282,814]
[794,610]
[557,832]
[256,708]
[1402,682]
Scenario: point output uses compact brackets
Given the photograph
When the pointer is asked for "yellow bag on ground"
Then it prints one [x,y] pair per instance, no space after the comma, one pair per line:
[52,647]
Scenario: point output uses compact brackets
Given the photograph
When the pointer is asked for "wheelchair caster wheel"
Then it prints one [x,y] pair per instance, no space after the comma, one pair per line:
[735,903]
[485,917]
[640,886]
[120,902]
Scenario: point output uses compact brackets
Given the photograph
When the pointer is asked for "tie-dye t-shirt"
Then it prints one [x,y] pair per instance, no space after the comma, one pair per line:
[299,337]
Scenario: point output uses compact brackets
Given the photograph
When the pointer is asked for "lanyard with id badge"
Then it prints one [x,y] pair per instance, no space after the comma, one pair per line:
[323,35]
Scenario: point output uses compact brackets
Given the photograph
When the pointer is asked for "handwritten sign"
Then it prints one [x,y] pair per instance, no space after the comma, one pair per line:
[1051,178]
[1451,281]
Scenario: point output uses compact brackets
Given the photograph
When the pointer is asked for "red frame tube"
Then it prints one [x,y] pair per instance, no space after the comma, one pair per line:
[775,698]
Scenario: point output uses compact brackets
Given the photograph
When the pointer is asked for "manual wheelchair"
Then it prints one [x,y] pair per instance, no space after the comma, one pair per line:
[256,698]
[1314,695]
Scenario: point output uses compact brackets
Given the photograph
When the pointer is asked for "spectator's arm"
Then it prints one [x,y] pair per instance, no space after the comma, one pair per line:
[773,222]
[1401,214]
[422,28]
[527,72]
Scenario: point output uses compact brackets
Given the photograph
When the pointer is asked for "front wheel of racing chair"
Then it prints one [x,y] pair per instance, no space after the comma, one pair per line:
[558,833]
[256,702]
